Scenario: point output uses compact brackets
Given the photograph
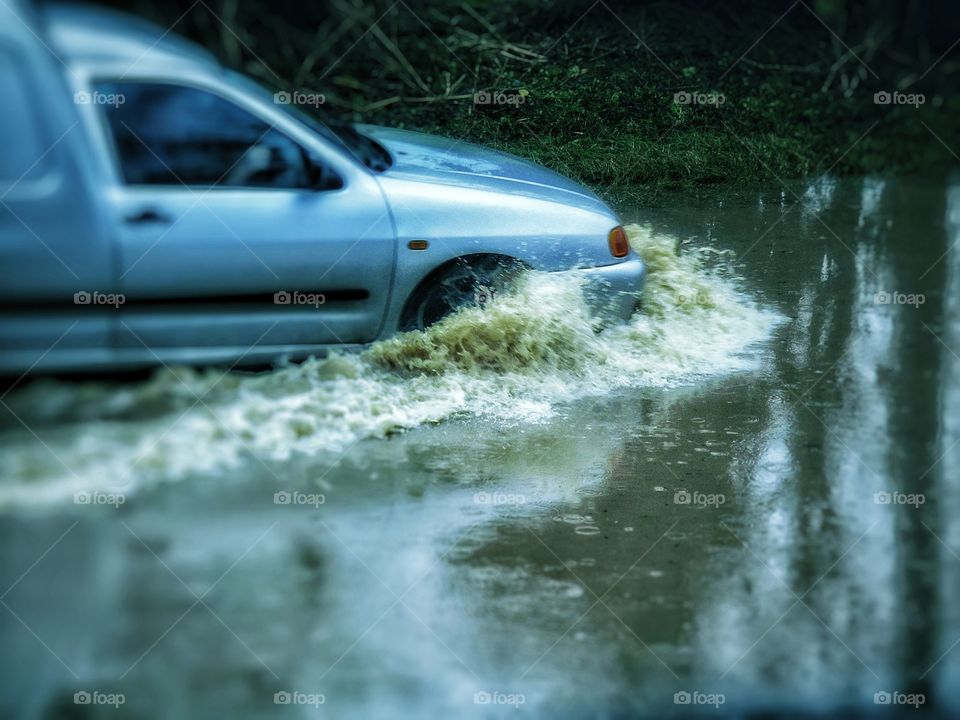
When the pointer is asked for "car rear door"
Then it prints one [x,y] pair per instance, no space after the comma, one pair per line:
[232,232]
[55,250]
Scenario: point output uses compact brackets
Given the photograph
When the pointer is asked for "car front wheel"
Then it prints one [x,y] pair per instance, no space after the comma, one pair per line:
[473,282]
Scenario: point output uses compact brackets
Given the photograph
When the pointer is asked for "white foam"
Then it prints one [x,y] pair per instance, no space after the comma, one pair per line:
[512,362]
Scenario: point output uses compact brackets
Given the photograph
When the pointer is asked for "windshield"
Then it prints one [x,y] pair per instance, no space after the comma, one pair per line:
[371,153]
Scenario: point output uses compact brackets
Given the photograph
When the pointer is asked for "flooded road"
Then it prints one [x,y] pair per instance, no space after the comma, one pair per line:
[745,500]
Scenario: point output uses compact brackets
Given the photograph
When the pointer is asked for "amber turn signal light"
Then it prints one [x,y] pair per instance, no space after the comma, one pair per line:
[619,247]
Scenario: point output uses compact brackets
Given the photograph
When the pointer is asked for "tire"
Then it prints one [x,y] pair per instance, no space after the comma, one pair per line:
[466,282]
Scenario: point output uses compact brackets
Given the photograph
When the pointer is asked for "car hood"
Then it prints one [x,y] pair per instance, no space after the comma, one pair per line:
[434,159]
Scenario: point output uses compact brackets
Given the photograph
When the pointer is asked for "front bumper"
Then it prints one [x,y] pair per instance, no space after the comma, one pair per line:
[613,291]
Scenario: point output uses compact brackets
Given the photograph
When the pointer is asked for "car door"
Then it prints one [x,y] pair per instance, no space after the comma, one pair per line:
[234,234]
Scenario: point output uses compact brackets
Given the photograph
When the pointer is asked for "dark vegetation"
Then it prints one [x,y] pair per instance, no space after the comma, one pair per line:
[588,88]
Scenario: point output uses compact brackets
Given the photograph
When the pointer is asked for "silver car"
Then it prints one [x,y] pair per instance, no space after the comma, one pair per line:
[157,207]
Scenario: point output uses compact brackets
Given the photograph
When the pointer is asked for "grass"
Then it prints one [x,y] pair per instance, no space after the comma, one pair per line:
[591,86]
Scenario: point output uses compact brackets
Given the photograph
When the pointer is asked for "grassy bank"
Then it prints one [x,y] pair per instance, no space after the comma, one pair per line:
[773,89]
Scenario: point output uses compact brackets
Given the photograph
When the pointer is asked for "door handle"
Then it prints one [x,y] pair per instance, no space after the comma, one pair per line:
[147,215]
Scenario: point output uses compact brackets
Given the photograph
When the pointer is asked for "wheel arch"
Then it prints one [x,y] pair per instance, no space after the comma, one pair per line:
[443,269]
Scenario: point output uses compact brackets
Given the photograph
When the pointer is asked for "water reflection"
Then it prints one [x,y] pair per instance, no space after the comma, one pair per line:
[814,582]
[759,535]
[944,672]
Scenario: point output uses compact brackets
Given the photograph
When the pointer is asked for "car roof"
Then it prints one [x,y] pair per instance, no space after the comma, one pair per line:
[87,34]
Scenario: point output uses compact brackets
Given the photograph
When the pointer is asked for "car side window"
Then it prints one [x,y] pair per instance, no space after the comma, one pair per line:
[168,134]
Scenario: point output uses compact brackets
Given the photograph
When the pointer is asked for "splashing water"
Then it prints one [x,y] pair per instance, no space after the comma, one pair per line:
[514,361]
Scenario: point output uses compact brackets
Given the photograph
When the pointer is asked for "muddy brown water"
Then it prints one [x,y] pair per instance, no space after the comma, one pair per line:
[781,538]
